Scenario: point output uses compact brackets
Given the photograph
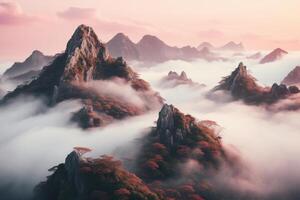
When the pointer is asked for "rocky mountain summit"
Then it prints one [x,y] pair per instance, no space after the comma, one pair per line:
[85,61]
[293,78]
[275,55]
[85,178]
[241,85]
[35,62]
[178,142]
[173,79]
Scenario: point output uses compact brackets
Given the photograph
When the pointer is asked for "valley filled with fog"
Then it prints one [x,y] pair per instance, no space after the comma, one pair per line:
[35,137]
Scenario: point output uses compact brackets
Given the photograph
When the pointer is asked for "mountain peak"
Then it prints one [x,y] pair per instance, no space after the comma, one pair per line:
[232,46]
[121,46]
[121,35]
[85,39]
[37,53]
[239,82]
[276,54]
[205,45]
[150,39]
[84,51]
[293,77]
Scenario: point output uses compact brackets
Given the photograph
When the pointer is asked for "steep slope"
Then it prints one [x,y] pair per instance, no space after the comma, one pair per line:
[73,74]
[293,78]
[36,61]
[232,46]
[121,46]
[242,85]
[92,179]
[275,55]
[184,153]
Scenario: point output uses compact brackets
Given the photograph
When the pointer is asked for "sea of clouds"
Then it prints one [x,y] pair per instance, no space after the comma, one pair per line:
[33,137]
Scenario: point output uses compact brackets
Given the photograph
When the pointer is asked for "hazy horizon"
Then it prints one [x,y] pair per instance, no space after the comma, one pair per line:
[261,25]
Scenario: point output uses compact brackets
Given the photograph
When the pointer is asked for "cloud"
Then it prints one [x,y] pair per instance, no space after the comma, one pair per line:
[266,141]
[12,14]
[35,138]
[76,13]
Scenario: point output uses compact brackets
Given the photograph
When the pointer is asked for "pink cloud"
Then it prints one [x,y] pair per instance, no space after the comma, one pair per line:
[76,13]
[12,14]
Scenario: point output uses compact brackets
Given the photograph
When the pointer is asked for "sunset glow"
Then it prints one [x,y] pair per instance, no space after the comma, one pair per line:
[260,24]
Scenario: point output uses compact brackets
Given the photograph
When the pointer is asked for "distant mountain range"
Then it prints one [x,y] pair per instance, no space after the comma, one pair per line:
[35,62]
[152,49]
[230,46]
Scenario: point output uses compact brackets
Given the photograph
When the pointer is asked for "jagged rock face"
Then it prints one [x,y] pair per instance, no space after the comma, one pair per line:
[172,142]
[84,60]
[276,54]
[84,52]
[92,179]
[35,62]
[293,78]
[167,126]
[242,85]
[121,46]
[232,46]
[178,142]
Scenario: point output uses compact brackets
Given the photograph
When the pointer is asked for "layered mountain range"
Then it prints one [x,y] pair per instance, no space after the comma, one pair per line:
[79,72]
[241,85]
[152,49]
[173,79]
[177,141]
[230,46]
[24,71]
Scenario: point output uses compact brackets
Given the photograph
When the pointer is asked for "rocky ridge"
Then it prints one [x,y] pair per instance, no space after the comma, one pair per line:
[86,59]
[241,85]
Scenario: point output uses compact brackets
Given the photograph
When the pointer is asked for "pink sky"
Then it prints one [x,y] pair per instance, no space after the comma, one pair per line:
[26,25]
